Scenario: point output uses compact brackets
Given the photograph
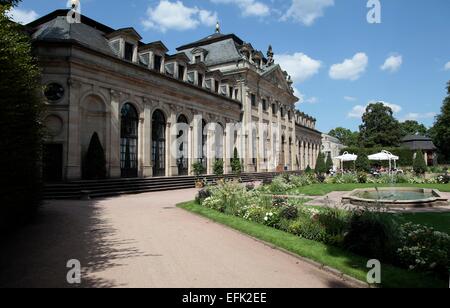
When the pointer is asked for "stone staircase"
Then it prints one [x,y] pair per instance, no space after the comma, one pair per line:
[117,187]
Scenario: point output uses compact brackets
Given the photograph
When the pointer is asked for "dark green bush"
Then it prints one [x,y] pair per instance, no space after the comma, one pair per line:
[289,212]
[405,155]
[218,167]
[419,165]
[94,166]
[202,195]
[309,229]
[362,177]
[373,235]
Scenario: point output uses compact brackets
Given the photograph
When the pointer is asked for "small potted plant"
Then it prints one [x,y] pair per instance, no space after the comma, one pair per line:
[198,170]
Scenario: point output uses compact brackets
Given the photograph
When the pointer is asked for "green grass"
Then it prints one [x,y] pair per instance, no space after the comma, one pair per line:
[323,189]
[439,221]
[348,263]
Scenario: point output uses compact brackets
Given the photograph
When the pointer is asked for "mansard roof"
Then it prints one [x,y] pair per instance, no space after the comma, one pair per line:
[216,37]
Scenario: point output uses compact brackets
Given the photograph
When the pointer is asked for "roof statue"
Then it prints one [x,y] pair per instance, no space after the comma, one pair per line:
[270,54]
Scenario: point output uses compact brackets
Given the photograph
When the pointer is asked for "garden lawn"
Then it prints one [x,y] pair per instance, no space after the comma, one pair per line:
[438,221]
[323,189]
[348,263]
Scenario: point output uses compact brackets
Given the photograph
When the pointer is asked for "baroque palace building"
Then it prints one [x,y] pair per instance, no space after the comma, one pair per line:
[132,94]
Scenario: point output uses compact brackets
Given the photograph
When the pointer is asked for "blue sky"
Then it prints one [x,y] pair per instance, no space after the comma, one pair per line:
[338,60]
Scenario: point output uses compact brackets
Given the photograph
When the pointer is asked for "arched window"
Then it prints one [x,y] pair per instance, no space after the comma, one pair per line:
[182,157]
[204,159]
[159,143]
[129,141]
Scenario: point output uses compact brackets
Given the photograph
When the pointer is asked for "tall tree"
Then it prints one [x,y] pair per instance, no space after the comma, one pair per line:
[411,127]
[379,127]
[329,163]
[20,124]
[440,132]
[345,136]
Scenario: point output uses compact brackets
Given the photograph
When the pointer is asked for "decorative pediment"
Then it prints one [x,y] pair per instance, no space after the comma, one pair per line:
[277,76]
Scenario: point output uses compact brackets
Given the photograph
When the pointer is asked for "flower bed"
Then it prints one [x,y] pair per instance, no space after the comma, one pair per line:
[375,235]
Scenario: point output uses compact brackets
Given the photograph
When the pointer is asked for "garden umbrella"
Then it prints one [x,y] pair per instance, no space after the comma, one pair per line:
[346,157]
[385,156]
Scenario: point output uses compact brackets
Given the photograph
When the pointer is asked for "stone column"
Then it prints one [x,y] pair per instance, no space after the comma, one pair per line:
[73,164]
[190,149]
[173,167]
[147,141]
[114,163]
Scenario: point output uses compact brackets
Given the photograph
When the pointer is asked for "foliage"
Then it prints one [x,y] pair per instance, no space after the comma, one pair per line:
[423,248]
[198,169]
[347,178]
[218,167]
[379,127]
[419,165]
[289,212]
[405,155]
[440,132]
[372,234]
[308,170]
[362,163]
[329,163]
[362,177]
[21,133]
[94,165]
[345,136]
[335,222]
[320,164]
[202,195]
[236,165]
[411,127]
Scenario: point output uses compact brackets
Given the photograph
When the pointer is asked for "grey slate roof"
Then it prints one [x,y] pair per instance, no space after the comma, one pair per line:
[218,52]
[59,30]
[416,142]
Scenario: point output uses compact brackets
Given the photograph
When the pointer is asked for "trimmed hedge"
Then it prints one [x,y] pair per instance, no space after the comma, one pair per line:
[406,155]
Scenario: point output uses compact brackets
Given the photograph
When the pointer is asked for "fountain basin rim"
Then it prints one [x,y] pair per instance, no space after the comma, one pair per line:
[436,200]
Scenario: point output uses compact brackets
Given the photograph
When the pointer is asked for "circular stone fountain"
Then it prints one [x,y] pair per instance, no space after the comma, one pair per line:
[395,197]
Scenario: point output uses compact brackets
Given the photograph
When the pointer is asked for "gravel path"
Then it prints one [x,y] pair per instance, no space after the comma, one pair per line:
[145,241]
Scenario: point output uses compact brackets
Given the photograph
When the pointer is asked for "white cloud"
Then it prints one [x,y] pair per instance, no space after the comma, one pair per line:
[350,69]
[176,16]
[22,16]
[359,110]
[350,98]
[392,64]
[248,7]
[299,65]
[312,100]
[447,66]
[418,116]
[306,11]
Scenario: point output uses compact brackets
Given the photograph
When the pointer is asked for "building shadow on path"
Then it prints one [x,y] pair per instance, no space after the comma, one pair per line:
[36,255]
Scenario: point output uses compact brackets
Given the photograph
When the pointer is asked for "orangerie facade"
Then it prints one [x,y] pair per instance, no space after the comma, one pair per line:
[107,81]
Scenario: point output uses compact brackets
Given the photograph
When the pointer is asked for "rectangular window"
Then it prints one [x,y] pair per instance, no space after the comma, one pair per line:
[274,108]
[216,86]
[231,90]
[157,63]
[264,105]
[236,94]
[129,50]
[181,71]
[200,80]
[253,100]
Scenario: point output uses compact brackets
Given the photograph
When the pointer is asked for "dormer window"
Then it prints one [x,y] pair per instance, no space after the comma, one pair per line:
[216,86]
[181,71]
[198,59]
[200,80]
[157,63]
[129,51]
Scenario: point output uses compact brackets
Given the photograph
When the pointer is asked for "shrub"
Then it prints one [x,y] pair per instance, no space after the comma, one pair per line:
[372,234]
[307,228]
[320,164]
[308,170]
[202,195]
[236,166]
[255,213]
[424,249]
[279,202]
[362,177]
[279,185]
[362,163]
[94,167]
[218,167]
[335,221]
[329,163]
[198,169]
[419,165]
[443,179]
[289,212]
[250,186]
